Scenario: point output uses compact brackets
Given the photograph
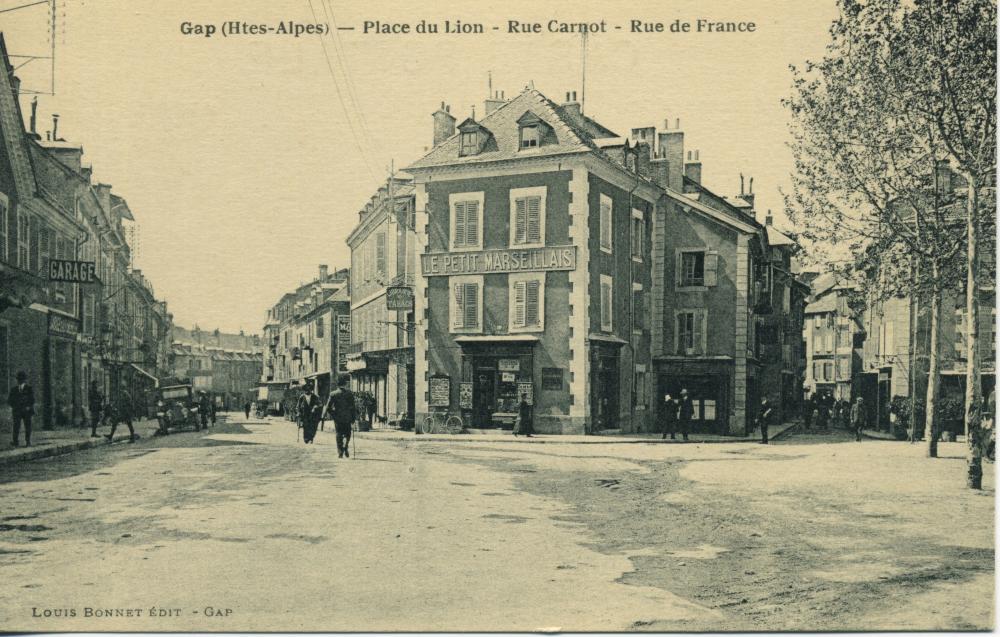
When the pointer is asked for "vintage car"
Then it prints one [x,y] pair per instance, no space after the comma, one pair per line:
[176,407]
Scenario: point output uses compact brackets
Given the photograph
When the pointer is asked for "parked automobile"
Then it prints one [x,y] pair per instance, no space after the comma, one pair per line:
[176,408]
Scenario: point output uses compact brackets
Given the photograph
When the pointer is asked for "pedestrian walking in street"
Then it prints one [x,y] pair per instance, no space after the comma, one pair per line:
[204,407]
[310,410]
[211,410]
[95,400]
[670,417]
[807,413]
[525,419]
[859,417]
[685,412]
[766,414]
[121,412]
[342,408]
[22,407]
[246,409]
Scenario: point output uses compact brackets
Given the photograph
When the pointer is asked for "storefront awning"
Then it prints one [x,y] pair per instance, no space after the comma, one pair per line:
[498,338]
[607,338]
[156,381]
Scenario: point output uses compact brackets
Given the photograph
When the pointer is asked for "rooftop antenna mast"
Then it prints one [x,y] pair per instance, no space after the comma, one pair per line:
[52,45]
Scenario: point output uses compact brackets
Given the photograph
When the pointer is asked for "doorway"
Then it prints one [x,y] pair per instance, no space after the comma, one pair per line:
[484,397]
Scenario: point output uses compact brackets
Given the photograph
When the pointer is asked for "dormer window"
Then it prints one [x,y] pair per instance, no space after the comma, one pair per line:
[532,131]
[529,137]
[470,143]
[473,138]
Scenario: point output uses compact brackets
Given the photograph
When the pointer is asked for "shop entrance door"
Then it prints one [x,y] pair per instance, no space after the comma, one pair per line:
[484,397]
[604,391]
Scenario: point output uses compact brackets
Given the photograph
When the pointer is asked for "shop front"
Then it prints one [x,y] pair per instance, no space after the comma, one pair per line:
[497,373]
[62,399]
[708,386]
[605,384]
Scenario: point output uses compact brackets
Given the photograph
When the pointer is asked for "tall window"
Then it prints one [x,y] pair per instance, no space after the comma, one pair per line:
[527,301]
[607,222]
[380,253]
[607,309]
[690,332]
[638,234]
[88,315]
[828,372]
[692,269]
[527,222]
[466,306]
[466,220]
[320,331]
[641,390]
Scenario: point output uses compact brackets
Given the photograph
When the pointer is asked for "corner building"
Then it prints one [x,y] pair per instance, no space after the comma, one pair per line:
[534,267]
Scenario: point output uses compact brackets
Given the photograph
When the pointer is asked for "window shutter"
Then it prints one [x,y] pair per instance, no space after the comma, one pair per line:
[531,309]
[711,269]
[380,253]
[471,299]
[605,225]
[520,220]
[698,331]
[458,308]
[459,230]
[520,302]
[533,215]
[471,223]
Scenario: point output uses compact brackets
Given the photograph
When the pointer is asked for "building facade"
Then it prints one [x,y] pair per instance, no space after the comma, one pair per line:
[834,338]
[383,270]
[534,249]
[228,366]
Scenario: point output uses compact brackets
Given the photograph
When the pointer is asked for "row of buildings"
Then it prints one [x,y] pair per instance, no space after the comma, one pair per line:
[227,366]
[64,335]
[536,252]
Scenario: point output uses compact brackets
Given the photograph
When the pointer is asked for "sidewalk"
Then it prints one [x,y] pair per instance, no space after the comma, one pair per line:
[64,440]
[600,439]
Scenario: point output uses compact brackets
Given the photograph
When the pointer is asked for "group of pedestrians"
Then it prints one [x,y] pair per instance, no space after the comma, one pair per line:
[677,415]
[102,411]
[823,412]
[340,407]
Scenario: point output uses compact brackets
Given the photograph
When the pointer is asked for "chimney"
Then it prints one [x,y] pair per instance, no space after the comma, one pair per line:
[55,127]
[768,220]
[323,272]
[671,146]
[645,135]
[34,117]
[444,124]
[571,106]
[692,169]
[747,196]
[494,102]
[659,172]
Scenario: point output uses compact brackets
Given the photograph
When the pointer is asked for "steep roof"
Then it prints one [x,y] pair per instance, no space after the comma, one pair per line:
[827,303]
[573,134]
[776,237]
[12,130]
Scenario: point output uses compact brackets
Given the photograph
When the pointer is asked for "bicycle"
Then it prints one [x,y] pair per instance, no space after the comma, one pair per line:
[441,422]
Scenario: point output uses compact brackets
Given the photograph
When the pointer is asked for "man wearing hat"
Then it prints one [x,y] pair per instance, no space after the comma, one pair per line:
[204,406]
[685,411]
[22,406]
[310,410]
[342,408]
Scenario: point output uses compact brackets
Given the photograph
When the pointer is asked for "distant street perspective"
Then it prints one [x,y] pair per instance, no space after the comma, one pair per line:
[241,528]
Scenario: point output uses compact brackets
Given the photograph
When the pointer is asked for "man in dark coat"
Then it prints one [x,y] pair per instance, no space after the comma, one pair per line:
[246,409]
[310,410]
[344,412]
[204,408]
[685,413]
[766,415]
[22,406]
[95,400]
[122,413]
[525,419]
[807,411]
[859,417]
[670,418]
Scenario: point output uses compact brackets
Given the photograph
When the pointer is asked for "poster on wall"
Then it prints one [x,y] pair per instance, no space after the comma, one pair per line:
[465,395]
[509,365]
[526,388]
[439,388]
[343,340]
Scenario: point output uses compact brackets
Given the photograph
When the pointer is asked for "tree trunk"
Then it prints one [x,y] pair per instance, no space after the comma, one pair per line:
[933,357]
[973,389]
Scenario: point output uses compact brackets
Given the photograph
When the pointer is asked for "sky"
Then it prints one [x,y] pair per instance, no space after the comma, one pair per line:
[246,159]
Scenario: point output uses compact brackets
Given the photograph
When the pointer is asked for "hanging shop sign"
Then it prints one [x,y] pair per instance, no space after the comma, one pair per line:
[439,389]
[72,271]
[60,325]
[499,261]
[399,298]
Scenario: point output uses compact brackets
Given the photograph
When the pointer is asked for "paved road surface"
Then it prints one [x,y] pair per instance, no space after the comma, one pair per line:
[246,530]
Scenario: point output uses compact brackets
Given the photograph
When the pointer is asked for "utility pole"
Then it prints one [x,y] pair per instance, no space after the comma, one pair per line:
[583,81]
